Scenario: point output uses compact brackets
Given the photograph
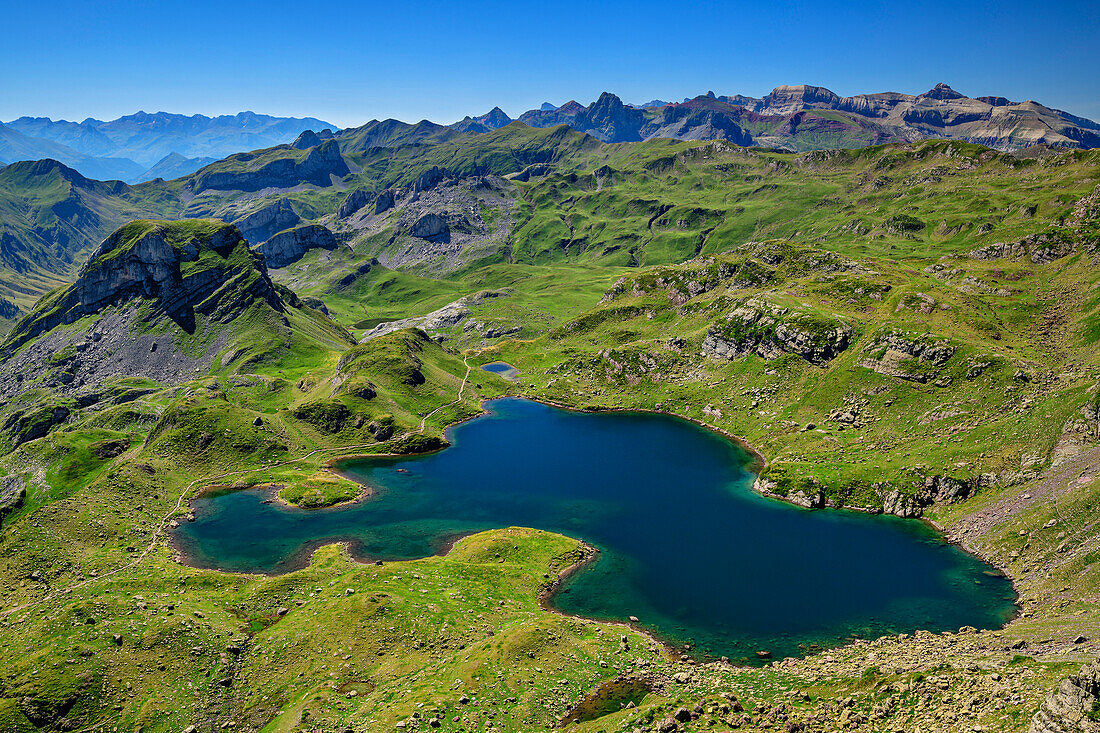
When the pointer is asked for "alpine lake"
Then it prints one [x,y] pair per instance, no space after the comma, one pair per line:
[685,545]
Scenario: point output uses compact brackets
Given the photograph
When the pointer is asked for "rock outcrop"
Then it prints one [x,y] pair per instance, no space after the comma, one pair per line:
[355,201]
[430,226]
[183,268]
[13,490]
[384,202]
[449,315]
[915,357]
[261,224]
[759,327]
[307,139]
[1081,232]
[429,179]
[287,247]
[1072,706]
[273,168]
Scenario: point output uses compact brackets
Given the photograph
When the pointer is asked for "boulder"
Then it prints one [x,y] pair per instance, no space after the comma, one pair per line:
[384,202]
[432,227]
[286,248]
[355,201]
[1070,707]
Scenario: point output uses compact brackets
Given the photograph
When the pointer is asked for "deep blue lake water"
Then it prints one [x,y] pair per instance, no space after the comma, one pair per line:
[685,544]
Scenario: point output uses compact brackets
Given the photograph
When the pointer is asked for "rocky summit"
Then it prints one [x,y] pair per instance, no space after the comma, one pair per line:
[794,117]
[181,269]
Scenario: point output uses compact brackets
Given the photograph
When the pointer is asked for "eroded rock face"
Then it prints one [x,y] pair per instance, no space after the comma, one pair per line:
[153,261]
[918,358]
[13,490]
[258,226]
[307,139]
[286,248]
[355,201]
[384,202]
[318,167]
[1078,432]
[429,179]
[768,330]
[430,226]
[1070,707]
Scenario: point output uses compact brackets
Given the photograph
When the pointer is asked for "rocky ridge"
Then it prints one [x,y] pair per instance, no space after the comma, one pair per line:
[757,326]
[270,169]
[199,266]
[788,116]
[289,246]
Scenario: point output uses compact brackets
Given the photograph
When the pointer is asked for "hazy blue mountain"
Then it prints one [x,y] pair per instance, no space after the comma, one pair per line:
[172,166]
[140,141]
[16,146]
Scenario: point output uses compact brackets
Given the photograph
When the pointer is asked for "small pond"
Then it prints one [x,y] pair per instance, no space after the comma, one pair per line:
[501,369]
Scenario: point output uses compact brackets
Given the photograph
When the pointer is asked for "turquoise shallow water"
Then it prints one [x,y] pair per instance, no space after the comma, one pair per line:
[686,546]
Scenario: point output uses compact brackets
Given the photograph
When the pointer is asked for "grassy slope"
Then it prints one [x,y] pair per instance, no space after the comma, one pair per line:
[396,647]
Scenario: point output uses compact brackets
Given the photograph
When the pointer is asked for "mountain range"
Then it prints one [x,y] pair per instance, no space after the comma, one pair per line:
[807,117]
[908,328]
[144,146]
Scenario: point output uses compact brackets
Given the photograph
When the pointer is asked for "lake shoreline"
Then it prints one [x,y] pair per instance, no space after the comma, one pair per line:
[302,558]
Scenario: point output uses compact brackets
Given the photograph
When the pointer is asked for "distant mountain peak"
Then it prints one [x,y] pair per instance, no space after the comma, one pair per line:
[494,119]
[125,147]
[942,91]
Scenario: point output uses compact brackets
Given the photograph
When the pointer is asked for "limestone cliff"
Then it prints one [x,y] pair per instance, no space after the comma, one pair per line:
[286,248]
[181,268]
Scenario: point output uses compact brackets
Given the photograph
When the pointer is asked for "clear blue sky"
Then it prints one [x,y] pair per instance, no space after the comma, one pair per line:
[349,62]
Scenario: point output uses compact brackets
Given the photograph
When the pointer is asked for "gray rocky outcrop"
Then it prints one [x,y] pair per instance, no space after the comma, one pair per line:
[355,201]
[807,491]
[1071,707]
[286,248]
[430,226]
[759,327]
[145,260]
[449,315]
[307,139]
[1079,431]
[429,179]
[258,226]
[1040,248]
[13,491]
[384,202]
[810,498]
[915,357]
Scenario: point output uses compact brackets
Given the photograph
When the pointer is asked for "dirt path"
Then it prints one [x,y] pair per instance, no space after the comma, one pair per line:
[461,387]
